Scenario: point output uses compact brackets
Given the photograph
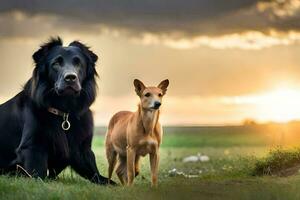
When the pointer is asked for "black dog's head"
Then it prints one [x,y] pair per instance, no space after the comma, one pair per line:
[64,73]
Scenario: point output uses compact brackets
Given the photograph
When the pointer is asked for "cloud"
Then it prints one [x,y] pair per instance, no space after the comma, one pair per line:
[249,40]
[244,24]
[280,8]
[139,15]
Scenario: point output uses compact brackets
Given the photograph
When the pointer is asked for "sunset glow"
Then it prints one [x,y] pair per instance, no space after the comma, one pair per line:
[280,105]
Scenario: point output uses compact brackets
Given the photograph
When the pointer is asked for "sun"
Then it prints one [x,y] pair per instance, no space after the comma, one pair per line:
[280,105]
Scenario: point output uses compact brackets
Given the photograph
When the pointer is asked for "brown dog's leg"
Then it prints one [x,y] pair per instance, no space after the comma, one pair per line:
[121,170]
[111,156]
[137,166]
[130,165]
[112,163]
[154,161]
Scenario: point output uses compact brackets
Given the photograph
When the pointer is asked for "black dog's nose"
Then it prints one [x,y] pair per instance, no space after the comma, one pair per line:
[70,77]
[157,104]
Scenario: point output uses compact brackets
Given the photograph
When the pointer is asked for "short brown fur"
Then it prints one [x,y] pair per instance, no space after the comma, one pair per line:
[134,134]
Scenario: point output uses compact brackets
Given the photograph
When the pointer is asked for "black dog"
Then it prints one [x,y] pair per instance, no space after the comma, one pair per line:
[49,126]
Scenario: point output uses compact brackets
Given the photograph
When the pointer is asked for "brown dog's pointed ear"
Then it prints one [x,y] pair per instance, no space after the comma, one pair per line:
[164,85]
[139,86]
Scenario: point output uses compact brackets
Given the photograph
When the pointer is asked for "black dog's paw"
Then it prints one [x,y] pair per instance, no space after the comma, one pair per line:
[112,183]
[106,182]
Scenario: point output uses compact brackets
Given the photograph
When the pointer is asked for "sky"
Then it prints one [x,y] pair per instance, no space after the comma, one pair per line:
[226,60]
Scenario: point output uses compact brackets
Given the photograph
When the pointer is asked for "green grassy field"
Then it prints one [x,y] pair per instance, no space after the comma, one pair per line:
[233,152]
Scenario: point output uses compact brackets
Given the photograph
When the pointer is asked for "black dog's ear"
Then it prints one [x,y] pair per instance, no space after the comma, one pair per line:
[86,50]
[45,48]
[139,87]
[91,57]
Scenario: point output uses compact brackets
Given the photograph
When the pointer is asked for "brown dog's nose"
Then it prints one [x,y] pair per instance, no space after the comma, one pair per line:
[157,105]
[70,77]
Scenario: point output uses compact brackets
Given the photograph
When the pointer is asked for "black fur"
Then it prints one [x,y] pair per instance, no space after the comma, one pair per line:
[32,137]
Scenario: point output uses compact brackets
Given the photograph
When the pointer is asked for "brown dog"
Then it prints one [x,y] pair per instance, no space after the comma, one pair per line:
[134,134]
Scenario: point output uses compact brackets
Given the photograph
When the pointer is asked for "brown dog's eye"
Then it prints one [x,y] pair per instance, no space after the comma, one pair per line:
[147,94]
[160,94]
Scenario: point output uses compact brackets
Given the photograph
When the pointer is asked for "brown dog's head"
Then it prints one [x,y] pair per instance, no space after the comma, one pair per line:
[151,97]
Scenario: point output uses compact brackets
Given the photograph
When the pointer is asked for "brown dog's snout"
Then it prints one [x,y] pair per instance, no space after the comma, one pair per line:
[157,104]
[70,77]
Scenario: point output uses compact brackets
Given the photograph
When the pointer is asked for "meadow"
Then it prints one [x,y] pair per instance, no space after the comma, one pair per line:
[228,174]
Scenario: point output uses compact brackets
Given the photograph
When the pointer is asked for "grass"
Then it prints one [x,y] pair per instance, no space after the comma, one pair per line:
[233,153]
[281,162]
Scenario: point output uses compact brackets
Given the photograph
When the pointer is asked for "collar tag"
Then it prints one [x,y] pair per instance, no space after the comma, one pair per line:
[65,125]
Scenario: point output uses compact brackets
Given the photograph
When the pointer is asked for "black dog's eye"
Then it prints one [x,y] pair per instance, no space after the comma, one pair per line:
[147,94]
[160,94]
[76,61]
[58,61]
